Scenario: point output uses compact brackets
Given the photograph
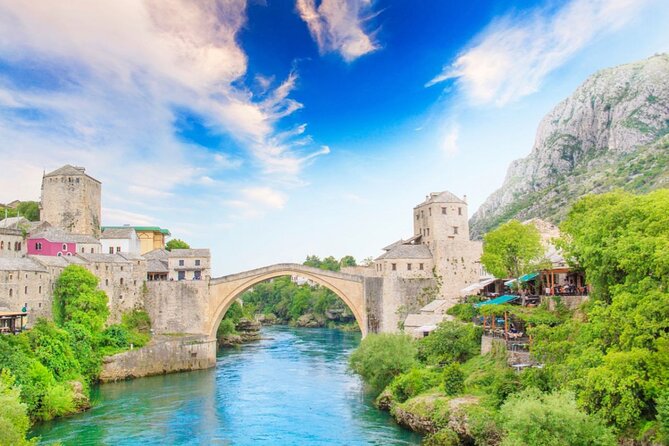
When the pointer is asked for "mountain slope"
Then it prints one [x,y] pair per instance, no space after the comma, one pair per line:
[613,132]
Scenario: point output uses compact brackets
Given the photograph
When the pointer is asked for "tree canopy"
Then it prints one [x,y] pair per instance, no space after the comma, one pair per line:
[176,243]
[27,209]
[512,250]
[77,299]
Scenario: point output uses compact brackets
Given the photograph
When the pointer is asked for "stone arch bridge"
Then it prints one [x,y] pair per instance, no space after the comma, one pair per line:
[223,291]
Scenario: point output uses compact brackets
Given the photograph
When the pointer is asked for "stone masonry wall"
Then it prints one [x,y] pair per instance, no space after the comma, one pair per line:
[401,296]
[162,355]
[178,306]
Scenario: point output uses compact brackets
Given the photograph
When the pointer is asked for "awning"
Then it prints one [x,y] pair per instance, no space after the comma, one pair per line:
[498,300]
[528,277]
[477,286]
[522,279]
[425,329]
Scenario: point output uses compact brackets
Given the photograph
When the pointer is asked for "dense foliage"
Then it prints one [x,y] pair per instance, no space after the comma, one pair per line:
[53,364]
[288,300]
[382,357]
[605,366]
[176,243]
[533,418]
[511,250]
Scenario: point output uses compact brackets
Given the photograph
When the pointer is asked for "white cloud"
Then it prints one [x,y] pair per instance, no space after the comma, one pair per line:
[511,58]
[265,197]
[450,141]
[114,72]
[120,217]
[337,25]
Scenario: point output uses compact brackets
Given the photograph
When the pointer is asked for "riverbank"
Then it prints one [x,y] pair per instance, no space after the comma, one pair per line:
[254,395]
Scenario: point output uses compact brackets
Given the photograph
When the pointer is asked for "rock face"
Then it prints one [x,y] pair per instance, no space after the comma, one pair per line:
[612,132]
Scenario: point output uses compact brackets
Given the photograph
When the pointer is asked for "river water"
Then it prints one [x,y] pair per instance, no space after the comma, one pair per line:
[291,388]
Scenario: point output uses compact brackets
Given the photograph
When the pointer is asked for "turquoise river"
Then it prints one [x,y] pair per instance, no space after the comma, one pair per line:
[291,388]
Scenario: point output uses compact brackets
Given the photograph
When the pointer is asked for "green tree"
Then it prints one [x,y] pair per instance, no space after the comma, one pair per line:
[313,261]
[452,341]
[511,250]
[531,418]
[14,421]
[77,299]
[176,243]
[347,261]
[29,210]
[381,357]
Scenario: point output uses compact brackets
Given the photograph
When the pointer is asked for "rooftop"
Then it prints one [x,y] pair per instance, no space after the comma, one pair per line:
[189,253]
[106,258]
[140,229]
[117,233]
[58,235]
[441,197]
[20,264]
[156,266]
[70,170]
[407,252]
[160,254]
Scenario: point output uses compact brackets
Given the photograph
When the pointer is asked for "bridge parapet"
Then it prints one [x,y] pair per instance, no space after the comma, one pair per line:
[295,268]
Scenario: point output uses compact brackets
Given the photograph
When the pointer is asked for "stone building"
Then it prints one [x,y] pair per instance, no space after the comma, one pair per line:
[441,222]
[12,243]
[189,264]
[71,200]
[25,283]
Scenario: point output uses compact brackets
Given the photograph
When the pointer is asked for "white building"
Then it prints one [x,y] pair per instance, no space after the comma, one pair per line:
[120,240]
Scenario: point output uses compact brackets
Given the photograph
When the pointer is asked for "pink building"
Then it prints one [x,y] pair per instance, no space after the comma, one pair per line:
[44,247]
[56,242]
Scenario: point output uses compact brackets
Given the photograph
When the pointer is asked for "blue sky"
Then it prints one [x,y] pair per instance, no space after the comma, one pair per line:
[270,130]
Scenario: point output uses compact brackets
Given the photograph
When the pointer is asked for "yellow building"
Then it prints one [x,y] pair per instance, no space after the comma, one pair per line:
[150,237]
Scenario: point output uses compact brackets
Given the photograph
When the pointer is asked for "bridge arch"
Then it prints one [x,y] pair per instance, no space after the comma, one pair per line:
[225,290]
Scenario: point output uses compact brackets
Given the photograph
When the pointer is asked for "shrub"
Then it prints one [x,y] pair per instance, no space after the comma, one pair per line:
[444,437]
[453,379]
[413,382]
[137,320]
[227,327]
[532,418]
[14,421]
[463,312]
[115,336]
[57,401]
[450,342]
[51,346]
[381,357]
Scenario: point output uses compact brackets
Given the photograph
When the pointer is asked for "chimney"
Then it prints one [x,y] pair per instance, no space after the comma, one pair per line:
[464,198]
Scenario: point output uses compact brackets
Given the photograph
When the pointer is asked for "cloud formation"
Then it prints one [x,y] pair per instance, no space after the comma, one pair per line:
[338,25]
[109,79]
[512,56]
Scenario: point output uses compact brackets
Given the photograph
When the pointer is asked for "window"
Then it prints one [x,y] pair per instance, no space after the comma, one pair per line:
[10,292]
[59,254]
[39,290]
[118,249]
[459,211]
[9,246]
[121,280]
[64,247]
[82,250]
[121,268]
[393,266]
[181,275]
[443,211]
[25,290]
[111,250]
[69,254]
[427,231]
[422,215]
[197,262]
[429,211]
[106,282]
[38,246]
[197,275]
[455,229]
[2,245]
[417,216]
[420,266]
[408,266]
[181,263]
[91,250]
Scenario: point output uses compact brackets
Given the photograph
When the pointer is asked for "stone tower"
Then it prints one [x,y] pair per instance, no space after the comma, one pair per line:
[442,223]
[71,200]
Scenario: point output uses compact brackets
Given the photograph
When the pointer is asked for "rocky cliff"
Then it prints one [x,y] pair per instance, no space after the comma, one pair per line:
[613,132]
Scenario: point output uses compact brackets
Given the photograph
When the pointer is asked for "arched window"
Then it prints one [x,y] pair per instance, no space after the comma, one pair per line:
[60,254]
[64,247]
[10,292]
[39,290]
[25,290]
[69,254]
[121,280]
[19,246]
